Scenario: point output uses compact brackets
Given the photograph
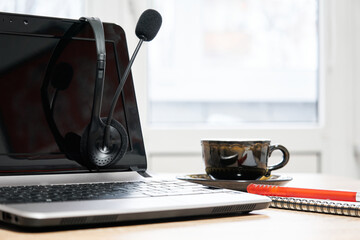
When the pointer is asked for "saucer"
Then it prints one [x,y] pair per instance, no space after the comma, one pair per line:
[240,185]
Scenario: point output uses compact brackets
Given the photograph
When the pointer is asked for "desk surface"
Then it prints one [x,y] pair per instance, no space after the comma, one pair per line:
[266,224]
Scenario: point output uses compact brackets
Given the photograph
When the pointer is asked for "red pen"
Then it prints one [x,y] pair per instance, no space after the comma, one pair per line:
[271,190]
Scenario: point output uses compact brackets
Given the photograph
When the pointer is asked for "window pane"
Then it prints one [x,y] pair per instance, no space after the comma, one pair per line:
[54,8]
[234,61]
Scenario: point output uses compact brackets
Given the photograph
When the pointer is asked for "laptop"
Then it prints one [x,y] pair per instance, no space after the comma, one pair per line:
[44,183]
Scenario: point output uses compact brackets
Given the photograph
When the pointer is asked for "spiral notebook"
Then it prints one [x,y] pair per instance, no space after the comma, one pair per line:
[317,205]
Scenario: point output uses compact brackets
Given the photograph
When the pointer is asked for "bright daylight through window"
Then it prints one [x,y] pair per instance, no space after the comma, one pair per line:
[246,61]
[54,8]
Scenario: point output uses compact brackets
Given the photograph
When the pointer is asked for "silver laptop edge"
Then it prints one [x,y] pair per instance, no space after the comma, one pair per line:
[119,210]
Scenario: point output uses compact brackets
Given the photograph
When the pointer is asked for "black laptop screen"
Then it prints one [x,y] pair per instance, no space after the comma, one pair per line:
[27,143]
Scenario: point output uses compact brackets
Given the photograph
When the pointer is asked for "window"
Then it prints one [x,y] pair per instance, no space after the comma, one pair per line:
[55,8]
[226,69]
[243,61]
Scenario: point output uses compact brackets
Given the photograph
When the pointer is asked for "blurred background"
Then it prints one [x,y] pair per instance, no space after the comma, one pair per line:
[269,69]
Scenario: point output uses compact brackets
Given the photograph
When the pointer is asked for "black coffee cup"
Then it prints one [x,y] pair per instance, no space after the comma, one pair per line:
[240,159]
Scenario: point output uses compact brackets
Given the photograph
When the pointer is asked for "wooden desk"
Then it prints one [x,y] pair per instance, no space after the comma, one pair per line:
[264,224]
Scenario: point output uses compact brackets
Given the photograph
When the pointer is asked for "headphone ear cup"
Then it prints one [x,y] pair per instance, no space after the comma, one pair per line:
[84,144]
[72,147]
[72,142]
[92,153]
[124,138]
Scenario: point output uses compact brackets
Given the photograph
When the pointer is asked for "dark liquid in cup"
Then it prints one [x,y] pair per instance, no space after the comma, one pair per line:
[235,173]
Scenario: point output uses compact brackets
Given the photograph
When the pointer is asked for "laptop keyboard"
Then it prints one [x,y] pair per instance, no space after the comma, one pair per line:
[97,191]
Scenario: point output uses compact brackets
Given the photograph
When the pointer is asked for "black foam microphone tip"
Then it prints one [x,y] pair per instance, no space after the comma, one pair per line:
[148,25]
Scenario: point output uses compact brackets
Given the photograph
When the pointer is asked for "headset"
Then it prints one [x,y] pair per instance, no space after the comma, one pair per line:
[104,141]
[90,150]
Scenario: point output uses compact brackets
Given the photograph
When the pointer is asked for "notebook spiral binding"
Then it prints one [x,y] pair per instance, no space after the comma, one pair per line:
[315,205]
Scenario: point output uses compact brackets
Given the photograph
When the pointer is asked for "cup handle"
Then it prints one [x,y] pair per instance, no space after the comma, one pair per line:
[286,156]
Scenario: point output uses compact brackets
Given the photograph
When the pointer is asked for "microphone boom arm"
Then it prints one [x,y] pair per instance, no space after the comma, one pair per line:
[106,142]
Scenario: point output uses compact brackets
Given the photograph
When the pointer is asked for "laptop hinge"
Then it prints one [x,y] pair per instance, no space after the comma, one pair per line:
[144,174]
